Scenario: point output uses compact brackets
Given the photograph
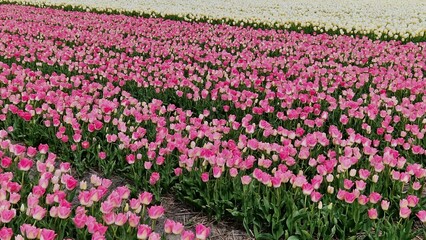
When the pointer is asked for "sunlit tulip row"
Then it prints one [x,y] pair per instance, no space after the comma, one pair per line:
[277,129]
[384,18]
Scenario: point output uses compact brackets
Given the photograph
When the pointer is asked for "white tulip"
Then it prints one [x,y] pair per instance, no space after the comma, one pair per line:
[400,18]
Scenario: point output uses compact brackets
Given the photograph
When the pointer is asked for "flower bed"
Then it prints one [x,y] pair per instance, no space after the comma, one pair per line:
[295,135]
[40,199]
[384,19]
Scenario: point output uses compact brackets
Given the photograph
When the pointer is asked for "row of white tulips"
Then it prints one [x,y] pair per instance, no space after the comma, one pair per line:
[384,18]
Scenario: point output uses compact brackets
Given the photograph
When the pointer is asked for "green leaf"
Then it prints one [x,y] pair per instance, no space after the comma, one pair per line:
[264,236]
[293,237]
[234,212]
[333,230]
[278,233]
[289,223]
[266,204]
[306,234]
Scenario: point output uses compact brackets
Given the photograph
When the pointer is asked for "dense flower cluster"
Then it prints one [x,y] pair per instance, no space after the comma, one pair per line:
[384,18]
[296,121]
[38,191]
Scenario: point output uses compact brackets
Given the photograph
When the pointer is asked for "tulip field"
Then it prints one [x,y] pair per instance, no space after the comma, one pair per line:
[290,133]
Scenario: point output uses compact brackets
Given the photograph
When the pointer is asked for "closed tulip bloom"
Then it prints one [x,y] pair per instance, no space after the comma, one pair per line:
[120,219]
[109,218]
[245,180]
[145,198]
[350,197]
[217,172]
[29,231]
[64,212]
[155,176]
[404,212]
[7,215]
[38,212]
[143,231]
[25,164]
[134,203]
[202,232]
[362,199]
[47,234]
[134,220]
[205,177]
[187,235]
[412,200]
[375,197]
[372,213]
[6,233]
[155,212]
[385,205]
[177,228]
[168,226]
[80,220]
[422,216]
[107,207]
[154,236]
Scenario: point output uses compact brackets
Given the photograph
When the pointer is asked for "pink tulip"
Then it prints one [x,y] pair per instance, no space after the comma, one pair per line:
[205,177]
[130,158]
[64,212]
[217,172]
[375,197]
[348,184]
[422,216]
[385,205]
[168,226]
[187,235]
[245,180]
[25,164]
[80,220]
[316,196]
[102,155]
[372,213]
[6,162]
[307,189]
[177,228]
[134,203]
[201,232]
[145,198]
[47,234]
[29,231]
[350,197]
[85,144]
[155,212]
[154,236]
[7,215]
[14,198]
[143,231]
[362,200]
[155,176]
[107,207]
[6,233]
[178,171]
[404,212]
[360,184]
[134,220]
[233,172]
[120,219]
[412,200]
[38,212]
